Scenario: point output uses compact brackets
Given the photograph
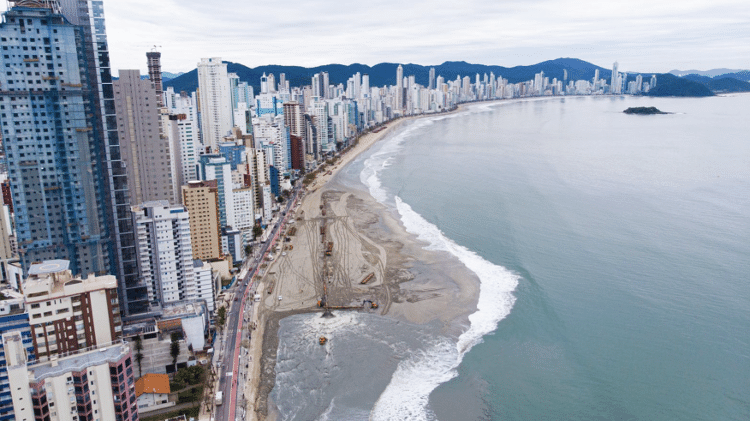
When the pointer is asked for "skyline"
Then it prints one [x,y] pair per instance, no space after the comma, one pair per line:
[641,36]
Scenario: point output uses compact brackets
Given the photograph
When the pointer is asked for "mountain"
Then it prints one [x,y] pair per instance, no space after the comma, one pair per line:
[720,84]
[385,73]
[743,75]
[709,73]
[728,84]
[169,75]
[668,84]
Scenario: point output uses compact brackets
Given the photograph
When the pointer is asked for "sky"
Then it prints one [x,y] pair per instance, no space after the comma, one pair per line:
[643,36]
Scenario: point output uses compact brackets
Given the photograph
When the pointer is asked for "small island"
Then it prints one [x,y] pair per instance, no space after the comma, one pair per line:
[644,110]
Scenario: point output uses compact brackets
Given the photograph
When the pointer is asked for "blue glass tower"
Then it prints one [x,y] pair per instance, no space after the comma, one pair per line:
[58,123]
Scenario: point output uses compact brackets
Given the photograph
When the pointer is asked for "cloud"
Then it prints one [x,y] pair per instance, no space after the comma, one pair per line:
[641,35]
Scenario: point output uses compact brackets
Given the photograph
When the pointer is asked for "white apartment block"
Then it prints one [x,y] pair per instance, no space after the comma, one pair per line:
[164,250]
[204,284]
[244,211]
[215,100]
[184,112]
[95,384]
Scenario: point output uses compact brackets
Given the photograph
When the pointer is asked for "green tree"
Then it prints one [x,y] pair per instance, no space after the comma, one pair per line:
[139,354]
[222,317]
[174,349]
[257,231]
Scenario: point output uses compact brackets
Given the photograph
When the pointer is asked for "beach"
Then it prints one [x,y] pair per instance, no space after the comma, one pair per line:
[367,239]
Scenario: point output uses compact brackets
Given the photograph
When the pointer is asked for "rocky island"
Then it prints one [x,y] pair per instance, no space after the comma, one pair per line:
[644,110]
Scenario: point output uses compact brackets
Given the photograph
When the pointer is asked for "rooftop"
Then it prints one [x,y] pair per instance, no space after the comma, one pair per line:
[152,383]
[49,266]
[54,279]
[80,361]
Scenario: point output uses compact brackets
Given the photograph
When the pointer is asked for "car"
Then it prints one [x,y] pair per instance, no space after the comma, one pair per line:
[283,253]
[279,297]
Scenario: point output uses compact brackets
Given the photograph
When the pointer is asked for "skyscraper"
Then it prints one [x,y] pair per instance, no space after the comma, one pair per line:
[147,151]
[67,179]
[215,101]
[432,78]
[88,15]
[615,80]
[399,89]
[154,74]
[365,85]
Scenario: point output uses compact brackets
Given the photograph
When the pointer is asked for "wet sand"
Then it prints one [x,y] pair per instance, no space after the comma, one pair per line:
[367,239]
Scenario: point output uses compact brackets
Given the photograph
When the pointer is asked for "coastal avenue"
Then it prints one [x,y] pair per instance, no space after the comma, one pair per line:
[228,374]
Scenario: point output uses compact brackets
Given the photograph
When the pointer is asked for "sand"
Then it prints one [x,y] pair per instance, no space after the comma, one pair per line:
[367,238]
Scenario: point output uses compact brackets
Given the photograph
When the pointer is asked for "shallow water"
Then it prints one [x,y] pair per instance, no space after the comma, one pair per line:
[614,258]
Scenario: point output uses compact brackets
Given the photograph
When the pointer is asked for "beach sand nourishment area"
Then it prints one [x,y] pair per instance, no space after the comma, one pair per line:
[364,238]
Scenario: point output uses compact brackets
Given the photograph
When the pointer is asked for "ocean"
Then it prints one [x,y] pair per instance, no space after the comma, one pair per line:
[613,253]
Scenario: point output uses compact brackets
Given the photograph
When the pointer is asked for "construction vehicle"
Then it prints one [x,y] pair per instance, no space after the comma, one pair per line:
[329,250]
[368,278]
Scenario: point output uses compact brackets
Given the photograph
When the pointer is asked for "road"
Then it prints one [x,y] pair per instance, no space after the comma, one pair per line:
[229,368]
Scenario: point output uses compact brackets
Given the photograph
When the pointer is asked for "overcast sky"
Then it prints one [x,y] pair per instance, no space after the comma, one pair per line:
[641,35]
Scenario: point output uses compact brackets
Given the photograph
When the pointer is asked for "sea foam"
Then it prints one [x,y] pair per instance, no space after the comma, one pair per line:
[407,395]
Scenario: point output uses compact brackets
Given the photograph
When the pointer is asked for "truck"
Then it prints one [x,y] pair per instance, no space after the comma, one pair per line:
[329,249]
[219,397]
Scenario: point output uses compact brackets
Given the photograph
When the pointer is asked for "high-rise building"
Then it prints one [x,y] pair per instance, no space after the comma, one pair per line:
[89,16]
[69,313]
[432,78]
[294,119]
[326,84]
[183,111]
[92,384]
[216,167]
[258,169]
[365,86]
[68,181]
[154,75]
[615,80]
[399,90]
[320,119]
[215,101]
[201,199]
[146,145]
[165,252]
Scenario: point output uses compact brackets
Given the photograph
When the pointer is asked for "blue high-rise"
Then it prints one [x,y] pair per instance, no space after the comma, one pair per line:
[67,178]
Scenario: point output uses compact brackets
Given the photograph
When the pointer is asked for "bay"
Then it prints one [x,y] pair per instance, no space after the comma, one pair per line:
[630,236]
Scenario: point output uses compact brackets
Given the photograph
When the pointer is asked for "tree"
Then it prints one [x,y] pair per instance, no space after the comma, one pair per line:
[257,231]
[248,249]
[139,354]
[174,349]
[222,317]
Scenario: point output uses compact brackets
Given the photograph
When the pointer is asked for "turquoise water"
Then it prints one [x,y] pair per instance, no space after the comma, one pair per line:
[630,236]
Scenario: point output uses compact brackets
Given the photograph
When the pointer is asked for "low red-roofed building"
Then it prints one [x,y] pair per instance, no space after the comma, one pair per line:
[153,392]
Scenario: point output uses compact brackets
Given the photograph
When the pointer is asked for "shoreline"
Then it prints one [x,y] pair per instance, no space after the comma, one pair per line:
[371,237]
